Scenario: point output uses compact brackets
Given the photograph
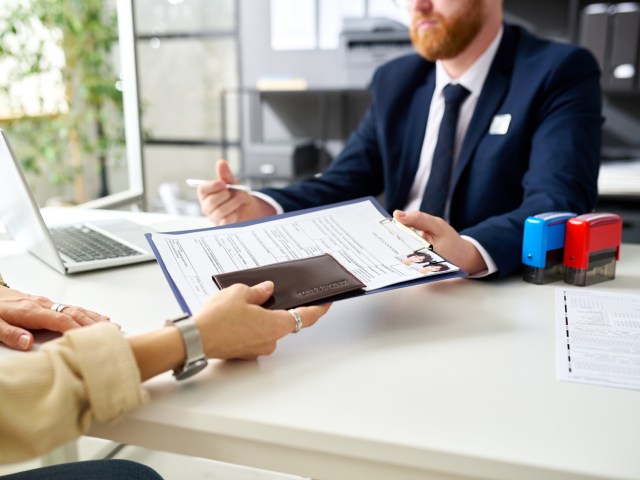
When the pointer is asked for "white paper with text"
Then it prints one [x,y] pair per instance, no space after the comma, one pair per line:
[356,234]
[598,337]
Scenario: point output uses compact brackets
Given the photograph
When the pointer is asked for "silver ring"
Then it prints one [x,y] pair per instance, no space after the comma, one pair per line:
[58,307]
[297,319]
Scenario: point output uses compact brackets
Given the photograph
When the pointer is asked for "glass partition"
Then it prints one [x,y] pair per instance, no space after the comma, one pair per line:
[69,99]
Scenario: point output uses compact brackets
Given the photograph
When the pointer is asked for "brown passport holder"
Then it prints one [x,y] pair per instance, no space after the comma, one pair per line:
[297,282]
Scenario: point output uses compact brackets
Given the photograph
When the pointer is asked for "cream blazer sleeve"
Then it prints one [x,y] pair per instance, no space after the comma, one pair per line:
[50,397]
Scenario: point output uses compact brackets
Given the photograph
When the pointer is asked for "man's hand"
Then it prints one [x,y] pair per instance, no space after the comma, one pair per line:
[224,206]
[20,313]
[445,240]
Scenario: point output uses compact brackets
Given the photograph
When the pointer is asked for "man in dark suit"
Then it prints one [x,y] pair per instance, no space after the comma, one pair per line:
[525,138]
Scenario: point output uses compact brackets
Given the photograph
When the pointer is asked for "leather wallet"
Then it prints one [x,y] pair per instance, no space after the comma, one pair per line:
[299,282]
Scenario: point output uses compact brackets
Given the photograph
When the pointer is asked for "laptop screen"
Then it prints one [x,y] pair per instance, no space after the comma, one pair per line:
[19,212]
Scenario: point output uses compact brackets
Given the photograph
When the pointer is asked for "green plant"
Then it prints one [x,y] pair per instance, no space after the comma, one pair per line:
[85,130]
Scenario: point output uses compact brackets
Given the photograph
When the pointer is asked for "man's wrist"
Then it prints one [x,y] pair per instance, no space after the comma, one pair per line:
[270,202]
[489,265]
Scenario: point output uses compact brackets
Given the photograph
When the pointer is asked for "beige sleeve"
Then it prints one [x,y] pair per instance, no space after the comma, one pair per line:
[50,397]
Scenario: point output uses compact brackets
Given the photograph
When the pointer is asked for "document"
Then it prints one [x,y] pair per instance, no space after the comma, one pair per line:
[378,251]
[598,338]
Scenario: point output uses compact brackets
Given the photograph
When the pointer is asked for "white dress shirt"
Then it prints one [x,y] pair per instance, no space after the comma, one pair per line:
[473,80]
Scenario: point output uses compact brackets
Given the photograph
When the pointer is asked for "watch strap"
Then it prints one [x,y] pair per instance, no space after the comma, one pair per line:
[196,360]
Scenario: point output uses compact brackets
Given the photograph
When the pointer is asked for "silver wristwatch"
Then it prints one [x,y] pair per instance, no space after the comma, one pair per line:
[196,359]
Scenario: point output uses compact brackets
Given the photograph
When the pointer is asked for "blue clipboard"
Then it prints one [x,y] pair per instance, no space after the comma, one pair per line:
[376,204]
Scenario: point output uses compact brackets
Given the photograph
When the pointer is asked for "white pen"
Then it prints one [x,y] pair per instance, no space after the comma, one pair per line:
[194,182]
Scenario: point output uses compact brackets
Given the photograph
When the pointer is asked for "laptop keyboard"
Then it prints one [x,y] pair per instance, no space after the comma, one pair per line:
[83,244]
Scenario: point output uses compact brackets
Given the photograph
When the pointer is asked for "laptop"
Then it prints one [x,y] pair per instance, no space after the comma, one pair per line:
[73,248]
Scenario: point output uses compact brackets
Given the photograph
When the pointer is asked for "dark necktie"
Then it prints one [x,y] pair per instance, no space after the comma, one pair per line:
[437,190]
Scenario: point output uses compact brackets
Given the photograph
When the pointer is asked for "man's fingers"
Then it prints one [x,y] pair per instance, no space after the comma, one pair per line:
[228,220]
[222,206]
[224,172]
[431,226]
[229,206]
[415,219]
[216,189]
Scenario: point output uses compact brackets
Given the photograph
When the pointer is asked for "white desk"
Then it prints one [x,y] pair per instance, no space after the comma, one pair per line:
[449,380]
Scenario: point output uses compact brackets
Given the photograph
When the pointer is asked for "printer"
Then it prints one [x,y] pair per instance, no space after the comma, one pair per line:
[366,43]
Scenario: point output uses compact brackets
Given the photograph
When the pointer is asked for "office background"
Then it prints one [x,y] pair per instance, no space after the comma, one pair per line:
[200,63]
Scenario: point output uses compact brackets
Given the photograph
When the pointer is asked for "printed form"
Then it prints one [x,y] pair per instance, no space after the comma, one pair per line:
[358,235]
[598,338]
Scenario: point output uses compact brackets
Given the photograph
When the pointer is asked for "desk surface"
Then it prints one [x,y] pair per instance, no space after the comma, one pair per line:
[448,380]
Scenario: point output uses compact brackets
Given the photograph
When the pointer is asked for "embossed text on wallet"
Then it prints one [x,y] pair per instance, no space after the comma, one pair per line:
[298,282]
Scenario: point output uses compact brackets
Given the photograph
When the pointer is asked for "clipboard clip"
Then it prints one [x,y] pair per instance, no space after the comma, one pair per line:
[411,237]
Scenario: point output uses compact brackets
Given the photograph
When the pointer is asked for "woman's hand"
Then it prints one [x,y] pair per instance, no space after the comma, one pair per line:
[232,323]
[21,312]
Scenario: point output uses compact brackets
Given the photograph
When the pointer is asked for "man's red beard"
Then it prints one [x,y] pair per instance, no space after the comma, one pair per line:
[450,36]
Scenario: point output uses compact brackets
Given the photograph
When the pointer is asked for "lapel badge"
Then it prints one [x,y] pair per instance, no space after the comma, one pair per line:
[500,124]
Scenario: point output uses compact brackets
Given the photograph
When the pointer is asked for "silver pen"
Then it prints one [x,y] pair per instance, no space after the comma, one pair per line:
[194,182]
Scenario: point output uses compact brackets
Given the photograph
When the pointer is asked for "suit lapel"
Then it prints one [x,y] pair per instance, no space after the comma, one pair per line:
[414,138]
[493,91]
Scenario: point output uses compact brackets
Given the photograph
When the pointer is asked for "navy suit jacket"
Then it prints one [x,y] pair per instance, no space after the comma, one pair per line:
[548,160]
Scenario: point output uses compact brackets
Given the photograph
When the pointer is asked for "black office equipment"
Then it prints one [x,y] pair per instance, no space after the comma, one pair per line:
[594,30]
[622,73]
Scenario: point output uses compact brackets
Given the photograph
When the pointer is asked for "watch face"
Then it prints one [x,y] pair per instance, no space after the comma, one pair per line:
[191,369]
